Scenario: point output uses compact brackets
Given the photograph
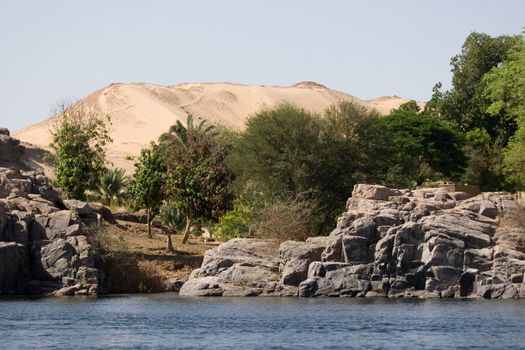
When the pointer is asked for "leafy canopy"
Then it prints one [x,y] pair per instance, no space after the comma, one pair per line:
[422,146]
[198,175]
[79,136]
[287,151]
[149,179]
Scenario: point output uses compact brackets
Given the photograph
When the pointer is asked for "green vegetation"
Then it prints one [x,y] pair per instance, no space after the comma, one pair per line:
[421,147]
[147,185]
[236,223]
[78,139]
[505,89]
[174,219]
[484,103]
[112,189]
[198,176]
[287,151]
[294,169]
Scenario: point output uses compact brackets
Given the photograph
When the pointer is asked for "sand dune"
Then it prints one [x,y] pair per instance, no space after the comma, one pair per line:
[141,112]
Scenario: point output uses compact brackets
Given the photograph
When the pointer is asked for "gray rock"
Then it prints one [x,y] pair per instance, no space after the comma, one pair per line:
[10,148]
[467,281]
[308,288]
[445,255]
[12,267]
[55,257]
[73,230]
[422,243]
[203,286]
[58,224]
[445,276]
[81,208]
[355,249]
[308,251]
[334,247]
[510,293]
[245,275]
[375,192]
[104,212]
[174,284]
[516,278]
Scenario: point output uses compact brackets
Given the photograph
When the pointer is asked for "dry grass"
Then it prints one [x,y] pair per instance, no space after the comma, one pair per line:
[284,220]
[132,262]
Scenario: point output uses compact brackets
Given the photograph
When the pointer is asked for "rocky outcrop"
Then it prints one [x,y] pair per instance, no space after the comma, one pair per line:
[43,243]
[421,243]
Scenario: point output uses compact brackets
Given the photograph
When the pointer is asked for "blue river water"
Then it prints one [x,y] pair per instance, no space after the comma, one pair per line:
[168,321]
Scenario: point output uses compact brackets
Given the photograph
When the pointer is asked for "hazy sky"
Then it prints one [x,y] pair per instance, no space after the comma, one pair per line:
[56,50]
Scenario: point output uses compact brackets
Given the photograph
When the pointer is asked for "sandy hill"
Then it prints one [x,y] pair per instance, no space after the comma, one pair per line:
[141,112]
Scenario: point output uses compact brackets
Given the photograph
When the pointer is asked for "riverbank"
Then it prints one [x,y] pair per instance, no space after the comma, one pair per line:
[134,263]
[424,243]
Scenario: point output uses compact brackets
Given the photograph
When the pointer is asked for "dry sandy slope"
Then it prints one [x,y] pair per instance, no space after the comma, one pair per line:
[141,112]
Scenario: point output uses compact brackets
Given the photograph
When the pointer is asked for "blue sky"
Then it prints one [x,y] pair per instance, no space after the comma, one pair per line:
[62,49]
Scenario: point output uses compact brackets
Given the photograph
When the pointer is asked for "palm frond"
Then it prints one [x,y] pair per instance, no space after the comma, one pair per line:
[172,217]
[111,189]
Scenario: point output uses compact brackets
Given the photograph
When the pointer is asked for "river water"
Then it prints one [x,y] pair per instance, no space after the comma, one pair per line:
[167,321]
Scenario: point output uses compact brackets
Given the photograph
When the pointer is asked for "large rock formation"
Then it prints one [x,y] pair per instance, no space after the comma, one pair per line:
[43,246]
[419,243]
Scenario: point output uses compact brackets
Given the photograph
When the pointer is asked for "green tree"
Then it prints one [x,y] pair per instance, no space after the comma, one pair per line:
[112,188]
[79,137]
[505,91]
[422,146]
[484,165]
[279,150]
[147,187]
[287,151]
[198,176]
[465,104]
[470,106]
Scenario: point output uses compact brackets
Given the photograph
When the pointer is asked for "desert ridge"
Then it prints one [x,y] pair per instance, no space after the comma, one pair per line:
[141,112]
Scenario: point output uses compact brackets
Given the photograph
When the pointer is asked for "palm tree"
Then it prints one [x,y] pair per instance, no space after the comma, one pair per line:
[111,189]
[172,217]
[183,133]
[185,136]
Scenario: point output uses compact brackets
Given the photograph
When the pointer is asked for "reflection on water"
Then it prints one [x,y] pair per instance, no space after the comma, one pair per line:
[167,321]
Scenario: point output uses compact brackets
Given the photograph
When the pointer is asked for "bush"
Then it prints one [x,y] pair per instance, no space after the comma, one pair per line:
[172,217]
[286,151]
[112,188]
[287,219]
[236,223]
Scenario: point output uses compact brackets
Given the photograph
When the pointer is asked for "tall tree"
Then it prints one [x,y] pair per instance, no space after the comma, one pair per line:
[287,151]
[148,183]
[505,91]
[466,105]
[422,145]
[198,176]
[79,137]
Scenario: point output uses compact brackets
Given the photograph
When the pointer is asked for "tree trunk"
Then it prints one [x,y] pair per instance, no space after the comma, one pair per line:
[169,244]
[148,214]
[189,221]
